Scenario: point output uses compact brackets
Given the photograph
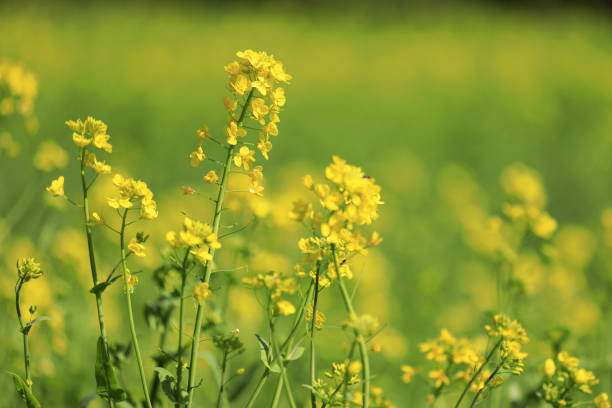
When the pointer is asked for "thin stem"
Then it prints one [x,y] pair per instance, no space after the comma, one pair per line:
[222,381]
[281,364]
[363,350]
[469,384]
[195,340]
[258,388]
[179,351]
[92,266]
[155,382]
[493,374]
[313,373]
[26,347]
[277,392]
[128,300]
[346,374]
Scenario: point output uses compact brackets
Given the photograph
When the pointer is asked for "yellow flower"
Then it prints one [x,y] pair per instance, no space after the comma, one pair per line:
[544,225]
[264,146]
[136,248]
[201,292]
[95,219]
[211,177]
[244,158]
[50,156]
[408,372]
[132,282]
[257,189]
[100,167]
[602,401]
[57,187]
[203,134]
[240,84]
[230,104]
[80,140]
[278,97]
[256,174]
[285,308]
[259,109]
[233,132]
[28,268]
[197,157]
[549,367]
[119,202]
[439,377]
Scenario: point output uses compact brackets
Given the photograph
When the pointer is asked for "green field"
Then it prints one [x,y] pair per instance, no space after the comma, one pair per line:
[433,105]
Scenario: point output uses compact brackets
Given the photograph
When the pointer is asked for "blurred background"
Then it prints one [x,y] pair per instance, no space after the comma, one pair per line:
[432,99]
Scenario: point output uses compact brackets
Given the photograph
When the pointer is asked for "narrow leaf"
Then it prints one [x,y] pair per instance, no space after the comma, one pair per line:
[107,385]
[25,392]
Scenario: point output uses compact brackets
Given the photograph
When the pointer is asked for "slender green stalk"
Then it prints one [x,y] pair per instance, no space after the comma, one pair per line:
[258,388]
[155,381]
[26,347]
[281,364]
[313,369]
[363,350]
[469,384]
[195,340]
[277,392]
[92,265]
[285,346]
[222,381]
[179,350]
[128,300]
[488,380]
[346,375]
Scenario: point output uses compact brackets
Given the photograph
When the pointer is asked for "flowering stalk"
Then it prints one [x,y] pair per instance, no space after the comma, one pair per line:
[128,300]
[281,364]
[486,383]
[313,374]
[287,344]
[477,373]
[92,264]
[363,350]
[179,351]
[195,342]
[221,392]
[24,333]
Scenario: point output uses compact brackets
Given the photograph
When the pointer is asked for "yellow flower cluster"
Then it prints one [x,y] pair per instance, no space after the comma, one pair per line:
[28,268]
[20,88]
[197,236]
[563,378]
[57,187]
[350,201]
[131,191]
[528,199]
[201,292]
[327,388]
[91,132]
[257,75]
[512,336]
[277,284]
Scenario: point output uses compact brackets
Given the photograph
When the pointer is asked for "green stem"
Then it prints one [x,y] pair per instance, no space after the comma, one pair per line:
[155,382]
[285,346]
[281,364]
[469,384]
[313,369]
[179,351]
[346,375]
[128,300]
[363,350]
[195,340]
[92,266]
[222,382]
[488,380]
[277,392]
[26,347]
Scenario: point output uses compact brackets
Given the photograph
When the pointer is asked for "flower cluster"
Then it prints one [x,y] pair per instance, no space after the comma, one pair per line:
[277,285]
[511,335]
[133,191]
[19,87]
[564,380]
[254,82]
[527,200]
[28,269]
[349,201]
[91,132]
[197,236]
[329,388]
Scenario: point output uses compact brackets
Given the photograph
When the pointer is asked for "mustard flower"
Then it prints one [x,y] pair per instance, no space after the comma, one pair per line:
[57,187]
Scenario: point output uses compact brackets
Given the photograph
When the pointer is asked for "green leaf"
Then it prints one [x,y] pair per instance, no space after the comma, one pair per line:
[266,354]
[26,329]
[107,385]
[169,386]
[25,392]
[296,353]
